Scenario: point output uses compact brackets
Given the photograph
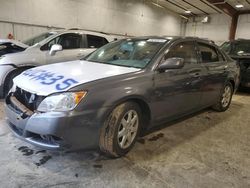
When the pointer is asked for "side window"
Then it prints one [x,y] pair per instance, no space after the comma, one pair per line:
[52,42]
[96,41]
[185,50]
[68,41]
[208,53]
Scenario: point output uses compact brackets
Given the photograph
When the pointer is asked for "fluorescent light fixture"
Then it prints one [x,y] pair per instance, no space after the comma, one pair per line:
[188,11]
[156,4]
[239,6]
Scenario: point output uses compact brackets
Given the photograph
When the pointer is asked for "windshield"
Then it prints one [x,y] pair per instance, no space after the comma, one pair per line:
[37,39]
[128,53]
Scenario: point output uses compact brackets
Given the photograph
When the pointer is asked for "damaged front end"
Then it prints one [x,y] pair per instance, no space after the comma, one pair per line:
[20,107]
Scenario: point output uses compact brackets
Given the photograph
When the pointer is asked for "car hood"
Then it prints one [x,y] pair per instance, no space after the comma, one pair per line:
[49,79]
[3,41]
[27,57]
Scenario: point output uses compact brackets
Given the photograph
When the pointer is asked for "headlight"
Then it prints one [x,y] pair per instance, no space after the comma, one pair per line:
[61,102]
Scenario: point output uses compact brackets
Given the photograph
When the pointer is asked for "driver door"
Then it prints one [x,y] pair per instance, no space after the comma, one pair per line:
[72,48]
[178,91]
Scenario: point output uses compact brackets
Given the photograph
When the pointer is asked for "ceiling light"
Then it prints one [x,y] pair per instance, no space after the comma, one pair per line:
[239,6]
[188,11]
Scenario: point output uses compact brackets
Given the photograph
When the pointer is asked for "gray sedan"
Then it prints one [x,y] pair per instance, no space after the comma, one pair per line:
[125,87]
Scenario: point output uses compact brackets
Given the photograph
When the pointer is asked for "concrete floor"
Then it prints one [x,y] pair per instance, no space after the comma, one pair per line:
[209,149]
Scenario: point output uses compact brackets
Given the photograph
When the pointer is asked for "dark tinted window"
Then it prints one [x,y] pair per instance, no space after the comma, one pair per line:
[185,50]
[68,41]
[208,53]
[95,41]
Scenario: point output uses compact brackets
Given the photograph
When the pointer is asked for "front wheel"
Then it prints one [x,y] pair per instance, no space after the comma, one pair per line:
[120,130]
[225,98]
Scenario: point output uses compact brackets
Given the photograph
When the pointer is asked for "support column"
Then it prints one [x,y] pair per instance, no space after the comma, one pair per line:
[233,26]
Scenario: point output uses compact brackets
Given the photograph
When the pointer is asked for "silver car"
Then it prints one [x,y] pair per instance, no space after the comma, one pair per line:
[61,46]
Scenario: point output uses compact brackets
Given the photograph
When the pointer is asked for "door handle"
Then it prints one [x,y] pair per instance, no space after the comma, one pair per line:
[195,75]
[195,72]
[225,67]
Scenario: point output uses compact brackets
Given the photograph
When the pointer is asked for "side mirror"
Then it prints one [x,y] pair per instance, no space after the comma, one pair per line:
[171,63]
[240,53]
[55,48]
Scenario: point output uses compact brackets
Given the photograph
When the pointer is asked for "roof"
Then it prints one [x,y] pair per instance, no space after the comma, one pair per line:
[174,38]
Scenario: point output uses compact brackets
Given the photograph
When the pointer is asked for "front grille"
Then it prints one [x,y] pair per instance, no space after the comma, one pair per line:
[30,100]
[17,130]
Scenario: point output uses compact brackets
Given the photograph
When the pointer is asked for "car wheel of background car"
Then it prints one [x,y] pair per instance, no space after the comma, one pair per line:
[225,98]
[9,80]
[121,129]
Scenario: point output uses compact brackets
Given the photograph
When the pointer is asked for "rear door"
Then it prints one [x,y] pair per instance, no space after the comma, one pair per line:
[178,91]
[216,72]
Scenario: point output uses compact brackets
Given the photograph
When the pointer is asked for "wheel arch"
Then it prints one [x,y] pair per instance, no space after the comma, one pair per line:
[8,74]
[233,83]
[142,103]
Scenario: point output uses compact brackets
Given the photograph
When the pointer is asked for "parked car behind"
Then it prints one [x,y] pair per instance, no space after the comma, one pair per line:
[124,87]
[9,46]
[63,46]
[239,50]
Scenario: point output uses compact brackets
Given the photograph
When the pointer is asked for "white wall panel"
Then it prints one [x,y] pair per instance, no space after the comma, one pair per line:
[5,29]
[132,17]
[217,29]
[23,32]
[243,29]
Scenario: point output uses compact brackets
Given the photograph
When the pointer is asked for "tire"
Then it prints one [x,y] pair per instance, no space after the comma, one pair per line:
[119,122]
[9,81]
[225,98]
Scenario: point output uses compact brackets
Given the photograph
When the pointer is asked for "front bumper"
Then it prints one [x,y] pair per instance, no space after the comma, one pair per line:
[56,130]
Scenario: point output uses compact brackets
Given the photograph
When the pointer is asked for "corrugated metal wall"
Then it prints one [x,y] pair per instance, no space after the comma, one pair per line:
[21,31]
[5,29]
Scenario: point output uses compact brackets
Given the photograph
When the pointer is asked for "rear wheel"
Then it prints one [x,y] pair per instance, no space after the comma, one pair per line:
[121,129]
[225,98]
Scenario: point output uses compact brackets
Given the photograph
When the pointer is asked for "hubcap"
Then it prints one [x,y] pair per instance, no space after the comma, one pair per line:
[226,96]
[128,129]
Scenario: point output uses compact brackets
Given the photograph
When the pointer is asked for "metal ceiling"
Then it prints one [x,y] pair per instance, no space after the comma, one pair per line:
[202,7]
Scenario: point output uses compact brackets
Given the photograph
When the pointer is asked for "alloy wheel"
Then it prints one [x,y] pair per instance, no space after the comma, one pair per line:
[226,96]
[128,128]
